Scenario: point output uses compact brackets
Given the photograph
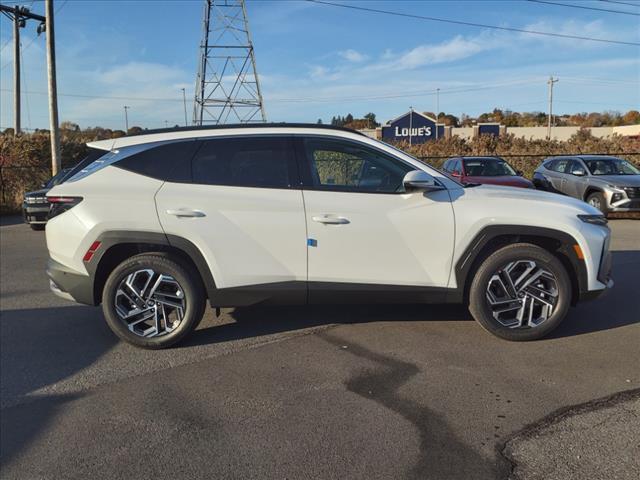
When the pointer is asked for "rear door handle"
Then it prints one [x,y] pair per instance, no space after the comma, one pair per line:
[330,220]
[186,212]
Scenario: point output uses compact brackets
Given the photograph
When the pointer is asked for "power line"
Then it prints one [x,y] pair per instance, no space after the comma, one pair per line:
[34,38]
[622,3]
[413,93]
[607,10]
[471,24]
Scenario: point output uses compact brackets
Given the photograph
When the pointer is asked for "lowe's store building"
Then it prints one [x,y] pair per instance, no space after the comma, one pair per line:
[414,127]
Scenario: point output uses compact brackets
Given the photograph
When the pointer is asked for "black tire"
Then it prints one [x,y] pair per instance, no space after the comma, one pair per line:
[479,304]
[596,199]
[37,226]
[188,280]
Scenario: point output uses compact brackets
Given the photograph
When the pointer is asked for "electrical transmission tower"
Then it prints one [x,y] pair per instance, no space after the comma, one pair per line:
[227,88]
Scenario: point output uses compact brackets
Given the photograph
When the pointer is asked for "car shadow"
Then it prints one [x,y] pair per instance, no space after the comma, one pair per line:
[256,321]
[42,346]
[617,307]
[7,220]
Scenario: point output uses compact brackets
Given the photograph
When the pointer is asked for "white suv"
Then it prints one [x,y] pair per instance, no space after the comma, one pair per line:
[152,226]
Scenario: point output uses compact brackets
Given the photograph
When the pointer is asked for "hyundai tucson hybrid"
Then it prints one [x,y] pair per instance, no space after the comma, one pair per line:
[610,184]
[161,223]
[491,170]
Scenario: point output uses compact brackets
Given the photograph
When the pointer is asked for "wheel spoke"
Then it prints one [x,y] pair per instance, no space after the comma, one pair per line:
[522,294]
[150,304]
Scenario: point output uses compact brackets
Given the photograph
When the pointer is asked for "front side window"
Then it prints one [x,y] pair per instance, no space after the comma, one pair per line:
[265,162]
[346,166]
[611,166]
[560,166]
[575,166]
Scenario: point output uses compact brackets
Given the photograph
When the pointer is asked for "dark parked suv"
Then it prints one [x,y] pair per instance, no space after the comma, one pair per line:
[35,206]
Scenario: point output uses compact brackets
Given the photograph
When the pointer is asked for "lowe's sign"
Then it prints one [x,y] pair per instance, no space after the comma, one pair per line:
[412,127]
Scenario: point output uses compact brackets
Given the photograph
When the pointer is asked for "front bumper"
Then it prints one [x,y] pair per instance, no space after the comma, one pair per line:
[69,284]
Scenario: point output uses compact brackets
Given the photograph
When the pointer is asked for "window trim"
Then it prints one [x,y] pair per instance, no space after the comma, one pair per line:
[292,163]
[304,164]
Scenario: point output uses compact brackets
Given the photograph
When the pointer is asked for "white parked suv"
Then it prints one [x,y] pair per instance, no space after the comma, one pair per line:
[153,226]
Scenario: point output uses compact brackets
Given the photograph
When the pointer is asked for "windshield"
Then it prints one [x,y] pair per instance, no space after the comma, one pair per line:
[487,167]
[611,166]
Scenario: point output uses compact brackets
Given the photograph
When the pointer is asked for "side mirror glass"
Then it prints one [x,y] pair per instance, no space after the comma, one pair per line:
[578,172]
[419,180]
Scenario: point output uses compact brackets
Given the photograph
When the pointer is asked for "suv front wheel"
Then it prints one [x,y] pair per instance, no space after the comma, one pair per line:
[153,300]
[520,292]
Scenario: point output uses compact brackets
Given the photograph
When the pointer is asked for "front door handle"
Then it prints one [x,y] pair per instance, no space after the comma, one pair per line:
[186,212]
[330,220]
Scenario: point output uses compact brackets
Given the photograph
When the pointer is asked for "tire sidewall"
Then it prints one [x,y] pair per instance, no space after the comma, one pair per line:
[477,296]
[193,294]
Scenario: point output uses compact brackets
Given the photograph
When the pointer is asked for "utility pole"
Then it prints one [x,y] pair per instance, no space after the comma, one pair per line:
[437,110]
[19,15]
[410,123]
[184,100]
[550,82]
[126,119]
[16,72]
[53,90]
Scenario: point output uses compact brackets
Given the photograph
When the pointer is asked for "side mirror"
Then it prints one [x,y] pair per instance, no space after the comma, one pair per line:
[578,172]
[419,180]
[455,173]
[520,173]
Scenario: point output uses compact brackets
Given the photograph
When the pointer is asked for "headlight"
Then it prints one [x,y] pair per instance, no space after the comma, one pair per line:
[594,219]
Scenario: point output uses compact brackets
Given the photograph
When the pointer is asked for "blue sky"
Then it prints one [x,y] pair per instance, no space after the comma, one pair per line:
[317,61]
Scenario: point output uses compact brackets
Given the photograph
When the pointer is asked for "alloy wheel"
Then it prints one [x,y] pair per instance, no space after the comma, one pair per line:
[522,294]
[149,303]
[595,202]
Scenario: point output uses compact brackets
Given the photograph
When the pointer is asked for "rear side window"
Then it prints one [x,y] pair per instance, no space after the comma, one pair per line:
[265,162]
[170,162]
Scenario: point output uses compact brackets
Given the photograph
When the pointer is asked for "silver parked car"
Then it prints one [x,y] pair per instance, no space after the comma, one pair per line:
[608,183]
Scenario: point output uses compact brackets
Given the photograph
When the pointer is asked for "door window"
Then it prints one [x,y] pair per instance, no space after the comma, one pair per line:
[560,166]
[265,162]
[348,166]
[574,166]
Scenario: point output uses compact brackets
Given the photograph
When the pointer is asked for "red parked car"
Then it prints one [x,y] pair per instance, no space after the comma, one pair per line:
[492,170]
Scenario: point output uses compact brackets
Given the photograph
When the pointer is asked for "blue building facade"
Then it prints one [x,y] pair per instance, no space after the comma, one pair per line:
[412,127]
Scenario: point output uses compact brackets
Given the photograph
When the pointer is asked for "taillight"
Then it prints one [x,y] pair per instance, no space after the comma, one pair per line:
[60,205]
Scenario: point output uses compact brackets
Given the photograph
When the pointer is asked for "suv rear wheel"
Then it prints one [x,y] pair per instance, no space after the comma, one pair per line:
[520,292]
[153,300]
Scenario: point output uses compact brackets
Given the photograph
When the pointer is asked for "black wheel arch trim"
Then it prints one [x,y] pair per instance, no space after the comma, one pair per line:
[476,251]
[145,241]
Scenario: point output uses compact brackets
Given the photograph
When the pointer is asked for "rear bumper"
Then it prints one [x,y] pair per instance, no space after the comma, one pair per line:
[36,214]
[69,284]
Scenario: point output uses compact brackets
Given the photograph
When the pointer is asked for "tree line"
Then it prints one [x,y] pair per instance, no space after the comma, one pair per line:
[506,117]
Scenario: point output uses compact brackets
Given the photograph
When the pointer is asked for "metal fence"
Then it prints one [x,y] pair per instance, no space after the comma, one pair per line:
[17,179]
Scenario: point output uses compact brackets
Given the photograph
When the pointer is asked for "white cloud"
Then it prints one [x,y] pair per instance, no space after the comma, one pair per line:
[353,56]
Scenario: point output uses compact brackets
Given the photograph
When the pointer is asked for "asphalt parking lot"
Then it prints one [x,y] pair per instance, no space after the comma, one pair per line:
[384,392]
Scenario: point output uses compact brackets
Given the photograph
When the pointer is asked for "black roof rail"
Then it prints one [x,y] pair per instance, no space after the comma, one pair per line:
[245,125]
